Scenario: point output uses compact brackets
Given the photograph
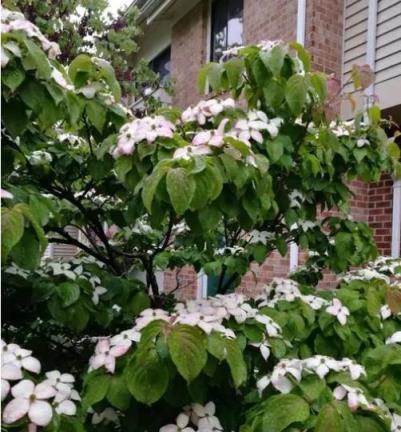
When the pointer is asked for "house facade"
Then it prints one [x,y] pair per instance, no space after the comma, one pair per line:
[179,36]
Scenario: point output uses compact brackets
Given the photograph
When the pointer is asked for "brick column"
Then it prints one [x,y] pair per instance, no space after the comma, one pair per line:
[188,53]
[324,34]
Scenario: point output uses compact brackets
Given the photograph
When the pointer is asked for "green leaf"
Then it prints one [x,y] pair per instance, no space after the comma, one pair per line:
[295,93]
[319,83]
[14,117]
[181,188]
[275,149]
[13,77]
[281,245]
[187,350]
[96,114]
[123,166]
[95,390]
[40,234]
[147,377]
[26,253]
[79,69]
[39,58]
[303,55]
[12,229]
[214,73]
[215,345]
[201,194]
[236,362]
[202,78]
[281,411]
[234,68]
[118,394]
[274,94]
[274,59]
[329,420]
[150,185]
[68,292]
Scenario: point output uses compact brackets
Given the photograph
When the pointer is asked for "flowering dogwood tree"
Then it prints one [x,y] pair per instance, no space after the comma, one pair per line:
[252,171]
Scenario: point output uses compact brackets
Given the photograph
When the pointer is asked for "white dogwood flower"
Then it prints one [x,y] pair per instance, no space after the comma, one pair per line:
[272,328]
[285,367]
[395,338]
[30,399]
[338,310]
[355,396]
[355,370]
[126,338]
[321,365]
[181,425]
[190,151]
[263,383]
[204,110]
[97,292]
[106,355]
[22,358]
[149,315]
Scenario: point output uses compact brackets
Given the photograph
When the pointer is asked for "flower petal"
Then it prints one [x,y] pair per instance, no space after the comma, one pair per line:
[31,364]
[66,407]
[15,410]
[23,389]
[44,390]
[40,413]
[11,371]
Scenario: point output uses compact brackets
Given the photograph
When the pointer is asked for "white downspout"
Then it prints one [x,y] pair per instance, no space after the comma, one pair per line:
[396,223]
[301,21]
[301,24]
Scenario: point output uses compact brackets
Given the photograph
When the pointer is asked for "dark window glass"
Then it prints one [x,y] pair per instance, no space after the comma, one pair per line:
[161,64]
[227,25]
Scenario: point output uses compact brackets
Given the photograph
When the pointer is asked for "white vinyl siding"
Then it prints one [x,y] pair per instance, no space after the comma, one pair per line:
[65,251]
[354,45]
[387,52]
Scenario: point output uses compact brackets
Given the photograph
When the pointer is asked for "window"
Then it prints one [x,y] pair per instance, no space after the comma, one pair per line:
[227,25]
[161,64]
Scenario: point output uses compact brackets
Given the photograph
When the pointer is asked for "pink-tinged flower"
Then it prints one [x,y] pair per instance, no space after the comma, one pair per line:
[63,405]
[355,396]
[321,365]
[61,382]
[105,355]
[111,231]
[5,388]
[204,417]
[206,323]
[23,359]
[214,138]
[206,109]
[149,315]
[284,367]
[11,372]
[180,426]
[145,129]
[6,194]
[126,338]
[190,151]
[339,311]
[30,400]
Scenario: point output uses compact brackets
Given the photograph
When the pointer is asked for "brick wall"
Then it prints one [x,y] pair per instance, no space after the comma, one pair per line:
[188,53]
[324,34]
[276,19]
[380,212]
[269,20]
